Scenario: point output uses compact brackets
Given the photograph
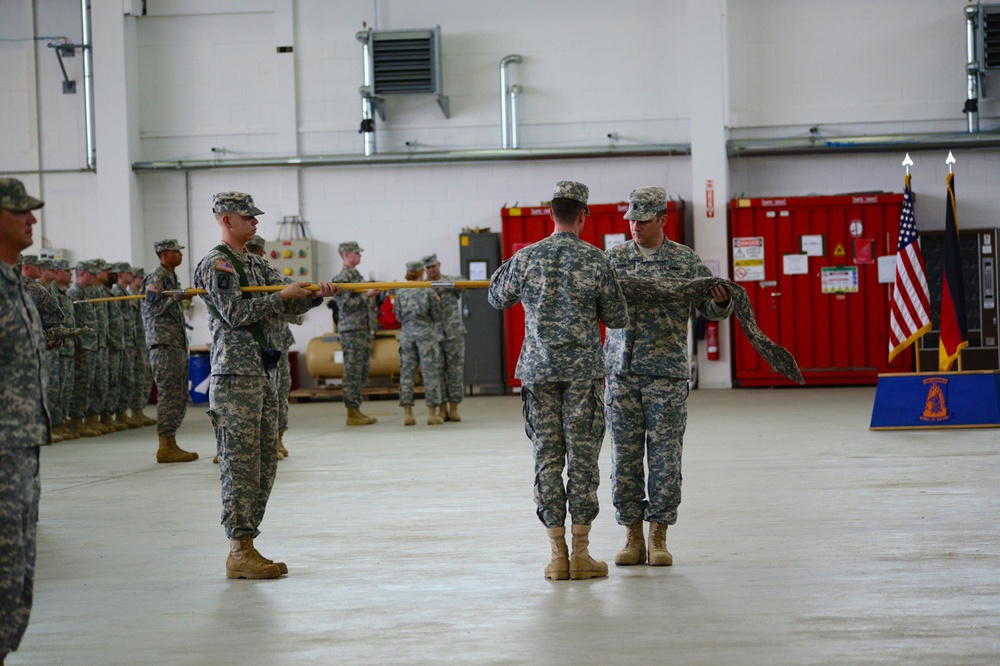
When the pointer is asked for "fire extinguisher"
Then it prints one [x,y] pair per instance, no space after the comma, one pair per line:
[712,340]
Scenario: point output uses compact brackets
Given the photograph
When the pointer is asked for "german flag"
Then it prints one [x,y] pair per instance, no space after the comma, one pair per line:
[954,329]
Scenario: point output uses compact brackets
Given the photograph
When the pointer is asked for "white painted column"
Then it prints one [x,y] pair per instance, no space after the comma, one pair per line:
[708,68]
[117,229]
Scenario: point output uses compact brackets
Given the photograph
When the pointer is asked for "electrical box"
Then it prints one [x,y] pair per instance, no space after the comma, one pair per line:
[811,267]
[479,253]
[978,248]
[605,228]
[47,253]
[293,258]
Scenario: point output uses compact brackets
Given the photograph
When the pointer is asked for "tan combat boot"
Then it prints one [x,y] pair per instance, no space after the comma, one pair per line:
[109,420]
[453,412]
[169,452]
[634,551]
[282,567]
[281,447]
[443,412]
[79,427]
[141,416]
[581,564]
[356,418]
[433,416]
[64,430]
[659,556]
[408,415]
[558,568]
[129,422]
[94,423]
[245,562]
[215,459]
[55,435]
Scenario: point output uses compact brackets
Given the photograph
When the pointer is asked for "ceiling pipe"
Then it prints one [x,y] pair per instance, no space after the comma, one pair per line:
[437,157]
[971,109]
[885,143]
[88,84]
[505,62]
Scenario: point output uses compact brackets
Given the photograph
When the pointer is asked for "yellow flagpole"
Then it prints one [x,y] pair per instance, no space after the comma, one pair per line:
[357,286]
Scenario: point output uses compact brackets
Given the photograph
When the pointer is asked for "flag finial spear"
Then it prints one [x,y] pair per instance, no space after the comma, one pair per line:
[907,162]
[950,161]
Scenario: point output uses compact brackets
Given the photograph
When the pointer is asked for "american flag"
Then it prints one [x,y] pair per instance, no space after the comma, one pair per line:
[909,316]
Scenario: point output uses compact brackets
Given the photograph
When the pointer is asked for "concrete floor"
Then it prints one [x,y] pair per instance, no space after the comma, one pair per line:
[803,538]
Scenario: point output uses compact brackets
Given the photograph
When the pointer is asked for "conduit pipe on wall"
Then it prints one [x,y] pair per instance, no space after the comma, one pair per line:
[88,84]
[505,101]
[971,68]
[367,129]
[885,143]
[515,135]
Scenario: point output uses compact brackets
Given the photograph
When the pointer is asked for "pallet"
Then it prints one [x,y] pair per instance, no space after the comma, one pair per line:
[336,393]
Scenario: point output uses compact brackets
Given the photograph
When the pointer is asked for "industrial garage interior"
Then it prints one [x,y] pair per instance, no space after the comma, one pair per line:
[779,130]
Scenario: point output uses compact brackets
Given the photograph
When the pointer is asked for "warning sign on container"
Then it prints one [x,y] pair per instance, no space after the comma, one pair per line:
[748,259]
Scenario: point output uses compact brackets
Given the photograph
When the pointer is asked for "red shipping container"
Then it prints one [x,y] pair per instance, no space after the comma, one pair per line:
[527,225]
[823,302]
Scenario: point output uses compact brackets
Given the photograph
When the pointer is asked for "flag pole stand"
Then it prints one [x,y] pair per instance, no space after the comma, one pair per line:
[937,400]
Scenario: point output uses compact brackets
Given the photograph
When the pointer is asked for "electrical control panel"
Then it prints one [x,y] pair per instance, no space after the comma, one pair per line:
[295,259]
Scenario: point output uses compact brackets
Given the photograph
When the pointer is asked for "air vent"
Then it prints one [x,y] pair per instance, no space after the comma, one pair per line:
[989,26]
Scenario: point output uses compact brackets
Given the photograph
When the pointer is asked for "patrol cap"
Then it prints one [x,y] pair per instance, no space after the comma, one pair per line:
[47,264]
[61,264]
[29,260]
[645,202]
[84,265]
[14,197]
[255,242]
[350,246]
[240,203]
[98,265]
[570,189]
[120,267]
[414,266]
[430,260]
[167,244]
[139,272]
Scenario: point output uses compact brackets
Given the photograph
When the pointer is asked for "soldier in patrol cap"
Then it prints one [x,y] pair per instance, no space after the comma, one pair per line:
[82,421]
[143,374]
[166,339]
[567,290]
[451,326]
[356,327]
[242,396]
[648,373]
[24,417]
[67,350]
[419,340]
[122,271]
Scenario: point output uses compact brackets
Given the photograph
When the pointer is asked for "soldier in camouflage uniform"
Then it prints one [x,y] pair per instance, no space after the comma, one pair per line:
[567,289]
[116,352]
[143,373]
[452,327]
[284,339]
[24,419]
[124,273]
[57,410]
[243,396]
[419,336]
[82,421]
[99,392]
[356,327]
[166,338]
[67,350]
[648,372]
[52,318]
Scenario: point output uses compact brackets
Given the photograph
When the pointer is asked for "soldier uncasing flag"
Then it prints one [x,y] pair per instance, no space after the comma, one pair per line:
[909,314]
[954,329]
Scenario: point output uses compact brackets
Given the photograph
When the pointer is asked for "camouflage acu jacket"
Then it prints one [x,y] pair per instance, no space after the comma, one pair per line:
[24,418]
[567,288]
[162,315]
[655,340]
[356,310]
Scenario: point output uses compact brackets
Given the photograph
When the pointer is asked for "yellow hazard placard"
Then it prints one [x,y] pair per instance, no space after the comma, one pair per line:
[839,250]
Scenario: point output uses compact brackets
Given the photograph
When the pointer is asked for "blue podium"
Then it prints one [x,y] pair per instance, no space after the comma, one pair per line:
[937,400]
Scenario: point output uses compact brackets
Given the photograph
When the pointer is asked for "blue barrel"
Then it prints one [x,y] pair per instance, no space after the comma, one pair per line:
[199,376]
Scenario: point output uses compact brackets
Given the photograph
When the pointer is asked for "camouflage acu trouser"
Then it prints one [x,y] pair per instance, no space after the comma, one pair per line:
[125,396]
[53,395]
[67,378]
[85,366]
[143,385]
[647,417]
[99,388]
[453,374]
[115,359]
[284,386]
[170,371]
[20,490]
[244,412]
[357,348]
[430,364]
[565,422]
